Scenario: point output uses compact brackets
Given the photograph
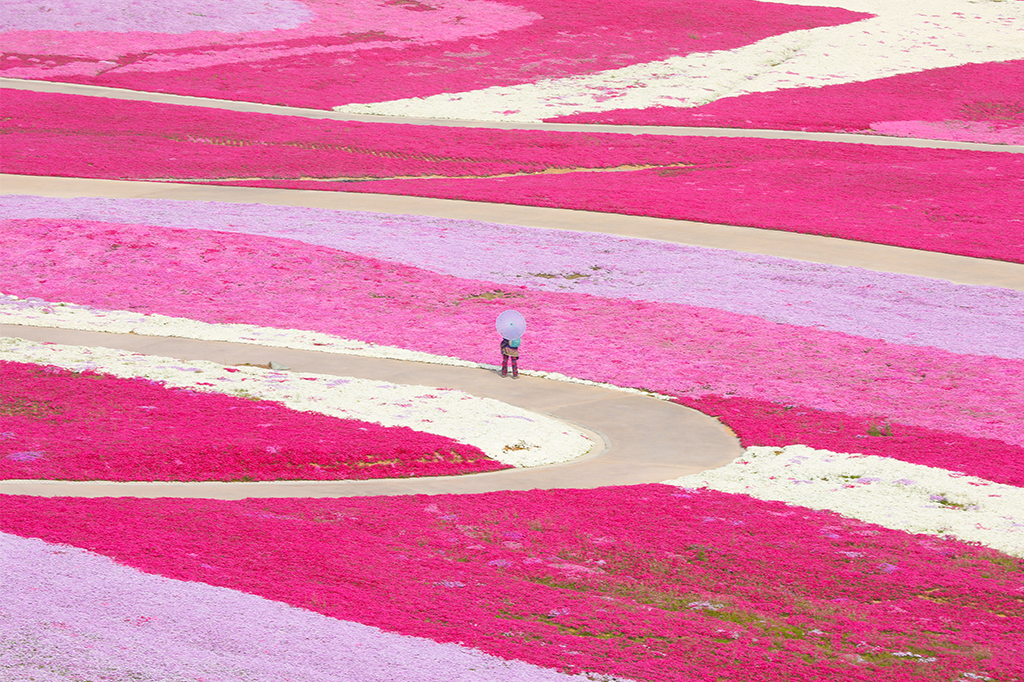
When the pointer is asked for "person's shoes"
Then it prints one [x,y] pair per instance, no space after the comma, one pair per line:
[504,374]
[515,376]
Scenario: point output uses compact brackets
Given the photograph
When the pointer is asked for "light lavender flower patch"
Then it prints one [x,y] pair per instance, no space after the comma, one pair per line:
[155,16]
[897,308]
[69,614]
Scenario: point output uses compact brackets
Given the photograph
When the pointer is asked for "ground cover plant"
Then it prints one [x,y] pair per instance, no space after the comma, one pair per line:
[767,379]
[892,40]
[891,307]
[493,431]
[645,582]
[60,424]
[881,490]
[969,103]
[45,625]
[908,389]
[951,201]
[791,394]
[321,53]
[536,60]
[133,623]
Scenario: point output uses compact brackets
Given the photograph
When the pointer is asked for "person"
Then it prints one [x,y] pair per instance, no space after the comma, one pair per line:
[510,351]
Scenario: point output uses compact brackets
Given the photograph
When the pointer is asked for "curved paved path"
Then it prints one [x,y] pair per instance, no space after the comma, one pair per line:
[232,105]
[639,439]
[813,248]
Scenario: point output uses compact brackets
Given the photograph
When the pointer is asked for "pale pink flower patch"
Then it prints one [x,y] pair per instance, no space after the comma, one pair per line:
[693,352]
[176,36]
[958,131]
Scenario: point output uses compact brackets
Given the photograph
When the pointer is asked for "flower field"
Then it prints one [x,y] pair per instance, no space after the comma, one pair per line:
[919,69]
[951,201]
[693,352]
[910,399]
[90,426]
[969,103]
[83,414]
[322,53]
[842,299]
[581,580]
[873,528]
[222,625]
[888,41]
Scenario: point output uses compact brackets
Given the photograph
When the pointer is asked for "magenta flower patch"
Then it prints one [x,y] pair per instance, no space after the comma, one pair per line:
[88,426]
[319,53]
[650,583]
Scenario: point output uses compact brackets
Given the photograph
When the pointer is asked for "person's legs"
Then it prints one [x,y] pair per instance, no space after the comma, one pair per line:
[504,366]
[515,368]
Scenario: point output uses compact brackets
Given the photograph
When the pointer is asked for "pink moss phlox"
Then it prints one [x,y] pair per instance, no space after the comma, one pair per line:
[677,349]
[649,582]
[759,422]
[978,93]
[139,140]
[88,38]
[57,26]
[950,201]
[903,309]
[957,131]
[59,424]
[425,48]
[79,615]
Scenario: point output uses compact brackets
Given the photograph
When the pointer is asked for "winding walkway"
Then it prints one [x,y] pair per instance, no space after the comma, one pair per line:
[638,439]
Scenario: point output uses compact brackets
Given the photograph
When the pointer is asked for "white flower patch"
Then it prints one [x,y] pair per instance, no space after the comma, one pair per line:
[505,433]
[903,37]
[879,490]
[35,312]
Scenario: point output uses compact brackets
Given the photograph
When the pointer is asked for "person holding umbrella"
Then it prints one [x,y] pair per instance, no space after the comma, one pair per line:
[511,326]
